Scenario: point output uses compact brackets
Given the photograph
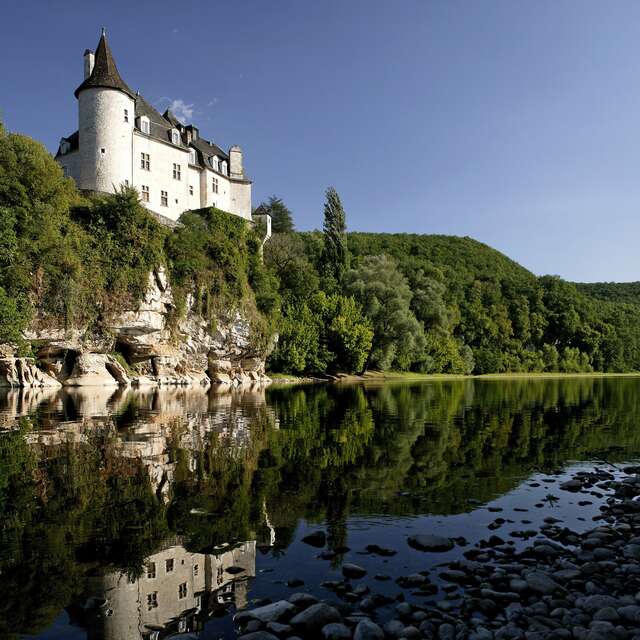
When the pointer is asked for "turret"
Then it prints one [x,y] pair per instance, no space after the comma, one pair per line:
[106,113]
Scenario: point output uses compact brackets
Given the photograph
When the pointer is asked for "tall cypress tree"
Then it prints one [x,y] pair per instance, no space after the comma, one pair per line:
[336,253]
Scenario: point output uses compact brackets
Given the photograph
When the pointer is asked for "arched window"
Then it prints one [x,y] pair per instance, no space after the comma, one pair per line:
[175,136]
[214,162]
[223,167]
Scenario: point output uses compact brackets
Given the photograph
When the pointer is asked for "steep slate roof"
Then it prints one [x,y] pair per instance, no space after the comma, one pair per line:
[168,115]
[74,143]
[104,73]
[160,127]
[207,149]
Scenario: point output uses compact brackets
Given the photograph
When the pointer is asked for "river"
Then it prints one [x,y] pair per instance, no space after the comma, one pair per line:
[149,513]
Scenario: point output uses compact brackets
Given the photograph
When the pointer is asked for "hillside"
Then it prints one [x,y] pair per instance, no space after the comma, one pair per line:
[628,292]
[455,305]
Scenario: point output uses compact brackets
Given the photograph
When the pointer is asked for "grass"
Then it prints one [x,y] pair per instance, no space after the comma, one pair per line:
[409,375]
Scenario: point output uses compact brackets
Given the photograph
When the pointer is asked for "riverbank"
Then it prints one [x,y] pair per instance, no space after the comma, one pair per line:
[565,584]
[409,376]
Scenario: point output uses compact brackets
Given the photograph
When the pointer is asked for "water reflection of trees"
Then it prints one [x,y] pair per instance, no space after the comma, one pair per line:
[95,485]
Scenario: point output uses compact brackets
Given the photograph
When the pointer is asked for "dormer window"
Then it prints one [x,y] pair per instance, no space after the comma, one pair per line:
[214,162]
[175,136]
[192,156]
[145,126]
[223,167]
[64,146]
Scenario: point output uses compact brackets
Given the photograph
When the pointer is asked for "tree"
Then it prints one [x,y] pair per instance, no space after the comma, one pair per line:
[325,333]
[385,296]
[281,216]
[285,256]
[335,256]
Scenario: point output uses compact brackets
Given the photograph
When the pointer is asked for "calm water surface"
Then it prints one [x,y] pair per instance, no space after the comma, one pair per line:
[145,514]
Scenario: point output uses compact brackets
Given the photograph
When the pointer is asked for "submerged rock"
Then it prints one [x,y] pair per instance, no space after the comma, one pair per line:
[316,539]
[430,542]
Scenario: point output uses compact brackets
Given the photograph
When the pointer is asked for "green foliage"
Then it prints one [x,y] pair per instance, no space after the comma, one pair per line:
[281,216]
[453,305]
[611,291]
[208,256]
[12,318]
[325,334]
[385,295]
[335,256]
[128,244]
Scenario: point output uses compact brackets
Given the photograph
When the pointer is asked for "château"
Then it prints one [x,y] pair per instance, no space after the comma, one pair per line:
[122,140]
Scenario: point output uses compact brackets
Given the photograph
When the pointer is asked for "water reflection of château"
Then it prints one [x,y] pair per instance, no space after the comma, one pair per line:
[178,591]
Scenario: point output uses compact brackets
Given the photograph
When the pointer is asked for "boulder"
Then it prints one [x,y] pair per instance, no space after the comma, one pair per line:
[315,617]
[430,542]
[368,630]
[96,369]
[274,612]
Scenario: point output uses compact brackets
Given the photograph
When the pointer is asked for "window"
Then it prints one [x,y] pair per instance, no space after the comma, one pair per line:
[145,194]
[145,127]
[168,564]
[214,185]
[152,600]
[65,173]
[126,183]
[192,156]
[190,189]
[145,161]
[103,151]
[176,171]
[164,201]
[126,115]
[220,576]
[223,167]
[195,569]
[151,570]
[175,137]
[213,160]
[182,590]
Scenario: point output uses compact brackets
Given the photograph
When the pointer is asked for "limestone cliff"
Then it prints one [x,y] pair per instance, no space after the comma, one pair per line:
[140,346]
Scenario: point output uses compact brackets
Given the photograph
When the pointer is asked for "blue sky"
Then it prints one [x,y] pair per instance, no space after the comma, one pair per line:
[515,123]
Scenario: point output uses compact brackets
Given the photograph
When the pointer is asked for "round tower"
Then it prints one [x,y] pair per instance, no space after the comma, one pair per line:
[106,114]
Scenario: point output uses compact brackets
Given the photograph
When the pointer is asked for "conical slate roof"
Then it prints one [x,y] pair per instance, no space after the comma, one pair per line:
[105,73]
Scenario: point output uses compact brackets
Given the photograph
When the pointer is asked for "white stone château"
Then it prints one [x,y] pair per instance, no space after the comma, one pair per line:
[122,140]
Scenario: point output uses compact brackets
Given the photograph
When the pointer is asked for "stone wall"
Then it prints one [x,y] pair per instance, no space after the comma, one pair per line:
[140,347]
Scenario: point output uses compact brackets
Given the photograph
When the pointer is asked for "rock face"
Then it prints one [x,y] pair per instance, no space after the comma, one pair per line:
[22,372]
[158,348]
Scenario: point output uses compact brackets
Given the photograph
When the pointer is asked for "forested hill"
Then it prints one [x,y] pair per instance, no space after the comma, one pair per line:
[612,291]
[451,304]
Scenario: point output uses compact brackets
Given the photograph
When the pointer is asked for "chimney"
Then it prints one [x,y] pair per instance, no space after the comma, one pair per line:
[88,63]
[235,162]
